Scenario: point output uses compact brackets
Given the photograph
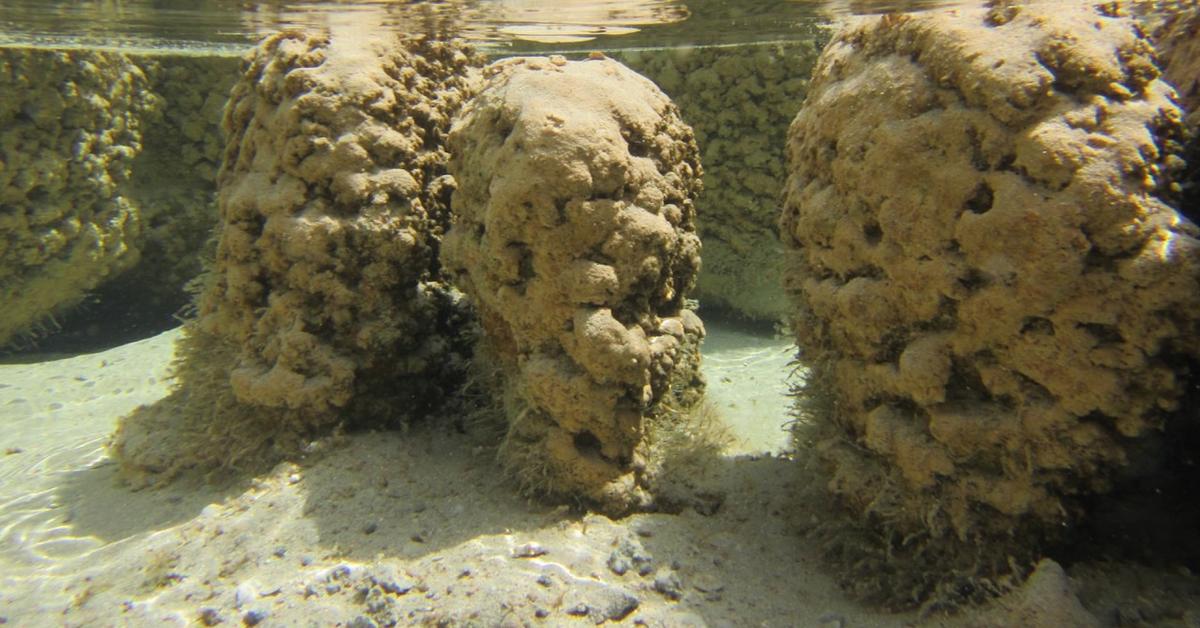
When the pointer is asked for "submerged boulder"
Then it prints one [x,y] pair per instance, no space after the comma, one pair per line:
[739,100]
[574,233]
[71,126]
[992,284]
[325,304]
[107,197]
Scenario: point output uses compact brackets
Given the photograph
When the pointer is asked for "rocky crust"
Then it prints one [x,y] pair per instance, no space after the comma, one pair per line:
[175,177]
[109,173]
[71,125]
[332,201]
[1177,41]
[574,233]
[325,303]
[740,101]
[991,284]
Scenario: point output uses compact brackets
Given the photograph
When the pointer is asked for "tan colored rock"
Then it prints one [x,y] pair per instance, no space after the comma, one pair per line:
[1177,41]
[114,205]
[1047,599]
[990,278]
[739,100]
[174,179]
[325,304]
[71,126]
[574,234]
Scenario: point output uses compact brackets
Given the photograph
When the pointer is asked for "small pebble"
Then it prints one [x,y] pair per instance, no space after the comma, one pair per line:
[293,478]
[388,580]
[544,580]
[370,528]
[306,560]
[280,551]
[541,613]
[244,594]
[832,620]
[578,610]
[210,617]
[529,550]
[254,617]
[668,584]
[361,622]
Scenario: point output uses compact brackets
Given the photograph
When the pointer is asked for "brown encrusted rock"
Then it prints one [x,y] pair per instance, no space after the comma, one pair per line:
[325,303]
[174,178]
[331,206]
[574,234]
[739,100]
[991,284]
[71,125]
[1177,41]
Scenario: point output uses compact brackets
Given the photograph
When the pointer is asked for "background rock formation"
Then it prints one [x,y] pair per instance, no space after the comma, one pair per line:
[991,284]
[324,303]
[108,185]
[71,125]
[1177,41]
[739,100]
[574,234]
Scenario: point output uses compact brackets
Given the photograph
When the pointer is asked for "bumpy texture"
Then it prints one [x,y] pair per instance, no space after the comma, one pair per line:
[174,178]
[574,233]
[324,304]
[1177,41]
[739,100]
[109,186]
[331,203]
[71,125]
[990,286]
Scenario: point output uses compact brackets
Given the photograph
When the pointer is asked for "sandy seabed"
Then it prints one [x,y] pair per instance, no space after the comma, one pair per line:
[391,528]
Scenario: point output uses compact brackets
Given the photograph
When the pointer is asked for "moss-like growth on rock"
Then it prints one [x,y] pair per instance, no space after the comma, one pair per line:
[991,282]
[574,234]
[325,304]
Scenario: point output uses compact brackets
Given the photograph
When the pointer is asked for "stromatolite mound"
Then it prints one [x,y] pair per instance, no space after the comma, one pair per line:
[1177,41]
[739,100]
[71,125]
[574,233]
[325,303]
[991,284]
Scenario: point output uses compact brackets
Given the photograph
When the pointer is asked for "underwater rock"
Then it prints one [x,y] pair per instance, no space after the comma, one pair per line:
[174,179]
[325,304]
[739,100]
[992,288]
[73,123]
[574,234]
[110,164]
[1177,41]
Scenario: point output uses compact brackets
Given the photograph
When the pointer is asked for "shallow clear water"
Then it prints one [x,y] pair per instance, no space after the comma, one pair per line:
[229,26]
[72,533]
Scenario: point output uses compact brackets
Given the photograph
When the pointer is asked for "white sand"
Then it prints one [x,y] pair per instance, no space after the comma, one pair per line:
[390,527]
